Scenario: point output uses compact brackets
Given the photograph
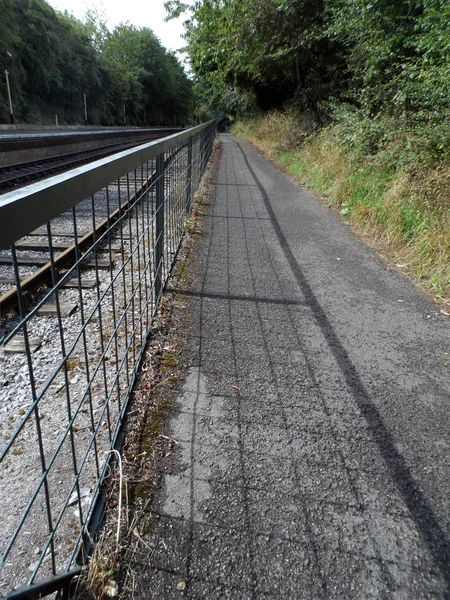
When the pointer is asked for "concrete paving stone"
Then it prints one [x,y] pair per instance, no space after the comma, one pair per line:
[263,472]
[285,569]
[239,469]
[264,378]
[242,408]
[282,343]
[277,513]
[206,501]
[221,556]
[298,393]
[216,432]
[221,384]
[200,430]
[313,444]
[161,583]
[408,584]
[211,466]
[243,310]
[294,359]
[220,361]
[353,577]
[218,311]
[295,369]
[378,493]
[216,285]
[266,439]
[324,483]
[288,319]
[246,356]
[342,528]
[375,578]
[338,405]
[302,415]
[219,273]
[166,540]
[205,406]
[263,411]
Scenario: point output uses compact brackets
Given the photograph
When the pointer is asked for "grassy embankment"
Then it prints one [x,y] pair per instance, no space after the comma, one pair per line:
[395,195]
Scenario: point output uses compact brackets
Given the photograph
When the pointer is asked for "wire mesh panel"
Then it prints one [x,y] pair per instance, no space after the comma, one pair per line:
[88,260]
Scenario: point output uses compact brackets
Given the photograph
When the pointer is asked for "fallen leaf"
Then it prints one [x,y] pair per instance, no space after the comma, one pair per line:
[445,353]
[445,312]
[181,585]
[235,387]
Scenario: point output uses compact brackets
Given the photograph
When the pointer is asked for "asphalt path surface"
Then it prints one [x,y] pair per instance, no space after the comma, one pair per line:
[313,428]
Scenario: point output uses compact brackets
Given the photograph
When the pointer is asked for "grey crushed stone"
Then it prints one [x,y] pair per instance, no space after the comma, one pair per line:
[325,474]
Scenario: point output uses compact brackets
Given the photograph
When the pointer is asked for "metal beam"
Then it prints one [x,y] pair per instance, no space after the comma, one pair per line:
[24,210]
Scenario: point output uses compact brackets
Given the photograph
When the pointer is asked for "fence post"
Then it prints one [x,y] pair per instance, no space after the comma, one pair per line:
[209,136]
[202,152]
[159,209]
[189,177]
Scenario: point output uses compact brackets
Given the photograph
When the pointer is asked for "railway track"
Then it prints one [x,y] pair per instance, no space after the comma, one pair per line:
[48,253]
[52,251]
[16,175]
[34,251]
[25,171]
[11,144]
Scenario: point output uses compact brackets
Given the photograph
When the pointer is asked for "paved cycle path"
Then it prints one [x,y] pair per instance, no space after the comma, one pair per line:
[313,428]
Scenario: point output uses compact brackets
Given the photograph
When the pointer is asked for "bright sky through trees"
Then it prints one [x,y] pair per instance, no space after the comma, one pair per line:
[141,13]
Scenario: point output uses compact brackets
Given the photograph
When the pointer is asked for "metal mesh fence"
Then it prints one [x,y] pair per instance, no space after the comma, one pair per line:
[88,266]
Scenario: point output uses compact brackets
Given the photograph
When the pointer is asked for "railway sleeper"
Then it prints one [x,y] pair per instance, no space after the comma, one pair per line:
[100,263]
[87,283]
[38,246]
[17,345]
[66,309]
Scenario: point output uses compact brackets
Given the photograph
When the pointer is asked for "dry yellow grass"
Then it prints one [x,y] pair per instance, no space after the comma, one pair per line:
[403,213]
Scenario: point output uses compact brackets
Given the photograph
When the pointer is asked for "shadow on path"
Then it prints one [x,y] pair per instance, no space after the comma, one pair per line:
[420,510]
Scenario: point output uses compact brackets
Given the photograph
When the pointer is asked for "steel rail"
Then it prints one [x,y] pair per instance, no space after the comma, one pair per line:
[40,202]
[9,300]
[45,166]
[26,141]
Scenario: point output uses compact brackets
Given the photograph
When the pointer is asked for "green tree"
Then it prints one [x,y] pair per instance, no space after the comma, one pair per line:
[54,59]
[261,52]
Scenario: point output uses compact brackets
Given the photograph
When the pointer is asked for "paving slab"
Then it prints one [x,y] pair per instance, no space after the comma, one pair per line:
[313,428]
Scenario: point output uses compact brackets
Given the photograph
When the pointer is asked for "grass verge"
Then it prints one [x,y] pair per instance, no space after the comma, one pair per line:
[401,209]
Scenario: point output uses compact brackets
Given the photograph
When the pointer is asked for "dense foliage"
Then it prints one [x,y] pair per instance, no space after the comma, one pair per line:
[54,60]
[380,67]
